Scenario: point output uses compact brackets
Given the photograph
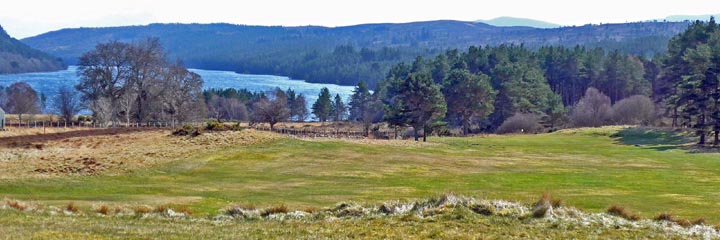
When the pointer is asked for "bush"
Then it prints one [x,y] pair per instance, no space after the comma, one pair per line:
[215,126]
[521,123]
[187,130]
[593,110]
[634,110]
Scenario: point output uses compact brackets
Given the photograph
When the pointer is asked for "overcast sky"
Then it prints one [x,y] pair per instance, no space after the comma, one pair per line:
[24,18]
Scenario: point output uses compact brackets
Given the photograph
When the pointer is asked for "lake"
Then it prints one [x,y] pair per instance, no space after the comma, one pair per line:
[48,83]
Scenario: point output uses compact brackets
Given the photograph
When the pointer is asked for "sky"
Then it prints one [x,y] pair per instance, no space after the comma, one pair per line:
[25,18]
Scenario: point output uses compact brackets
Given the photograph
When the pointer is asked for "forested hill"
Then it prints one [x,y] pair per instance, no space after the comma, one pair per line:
[16,57]
[345,55]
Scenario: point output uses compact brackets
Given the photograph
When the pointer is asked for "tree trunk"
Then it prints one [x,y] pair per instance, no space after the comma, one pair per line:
[424,135]
[417,135]
[717,138]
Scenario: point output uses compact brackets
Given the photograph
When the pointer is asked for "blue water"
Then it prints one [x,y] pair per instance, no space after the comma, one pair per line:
[49,83]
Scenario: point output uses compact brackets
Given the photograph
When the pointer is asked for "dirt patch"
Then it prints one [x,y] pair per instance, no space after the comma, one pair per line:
[108,151]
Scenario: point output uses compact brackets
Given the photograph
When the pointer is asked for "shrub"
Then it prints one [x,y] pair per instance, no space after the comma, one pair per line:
[622,212]
[274,210]
[187,130]
[521,123]
[215,126]
[634,110]
[593,110]
[236,127]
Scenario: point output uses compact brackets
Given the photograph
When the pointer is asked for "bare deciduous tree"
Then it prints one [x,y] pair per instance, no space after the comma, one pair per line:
[593,110]
[272,111]
[634,110]
[105,73]
[136,81]
[22,99]
[66,104]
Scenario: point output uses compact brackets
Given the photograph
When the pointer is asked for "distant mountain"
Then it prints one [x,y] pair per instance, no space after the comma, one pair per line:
[519,22]
[315,54]
[682,18]
[16,57]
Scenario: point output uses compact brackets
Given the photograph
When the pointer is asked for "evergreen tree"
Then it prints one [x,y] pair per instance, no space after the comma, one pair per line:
[693,66]
[414,101]
[339,111]
[469,97]
[322,108]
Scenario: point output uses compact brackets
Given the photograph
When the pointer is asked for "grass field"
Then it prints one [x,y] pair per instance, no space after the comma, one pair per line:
[648,171]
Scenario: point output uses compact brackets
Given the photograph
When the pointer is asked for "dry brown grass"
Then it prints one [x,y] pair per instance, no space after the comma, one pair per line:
[622,212]
[682,222]
[142,209]
[71,207]
[542,206]
[275,210]
[28,153]
[699,221]
[104,210]
[16,205]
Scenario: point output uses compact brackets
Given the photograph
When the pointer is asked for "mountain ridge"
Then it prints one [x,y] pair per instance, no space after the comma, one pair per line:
[16,57]
[507,21]
[279,50]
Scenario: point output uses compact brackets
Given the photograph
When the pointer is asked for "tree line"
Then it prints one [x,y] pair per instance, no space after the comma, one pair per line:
[506,88]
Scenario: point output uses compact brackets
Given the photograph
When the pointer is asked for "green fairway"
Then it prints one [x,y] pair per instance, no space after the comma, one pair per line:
[588,168]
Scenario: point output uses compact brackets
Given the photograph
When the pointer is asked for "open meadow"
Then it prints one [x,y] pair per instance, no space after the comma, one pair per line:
[647,171]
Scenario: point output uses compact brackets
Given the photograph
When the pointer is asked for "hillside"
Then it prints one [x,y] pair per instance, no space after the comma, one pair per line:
[16,57]
[312,52]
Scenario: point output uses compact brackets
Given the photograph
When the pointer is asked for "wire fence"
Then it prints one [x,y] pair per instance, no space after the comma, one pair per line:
[328,133]
[65,124]
[296,132]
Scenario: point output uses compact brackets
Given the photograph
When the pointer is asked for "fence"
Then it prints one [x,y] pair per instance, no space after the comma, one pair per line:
[328,133]
[298,132]
[63,124]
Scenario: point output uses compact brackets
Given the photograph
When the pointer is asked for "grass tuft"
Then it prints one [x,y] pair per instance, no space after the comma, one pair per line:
[682,222]
[161,209]
[16,205]
[142,210]
[665,217]
[622,212]
[542,207]
[71,207]
[104,210]
[275,210]
[699,221]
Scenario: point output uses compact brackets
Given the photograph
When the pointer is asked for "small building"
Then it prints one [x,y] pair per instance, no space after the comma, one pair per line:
[2,119]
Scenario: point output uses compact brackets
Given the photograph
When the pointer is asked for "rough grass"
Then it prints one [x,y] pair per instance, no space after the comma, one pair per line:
[587,168]
[444,217]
